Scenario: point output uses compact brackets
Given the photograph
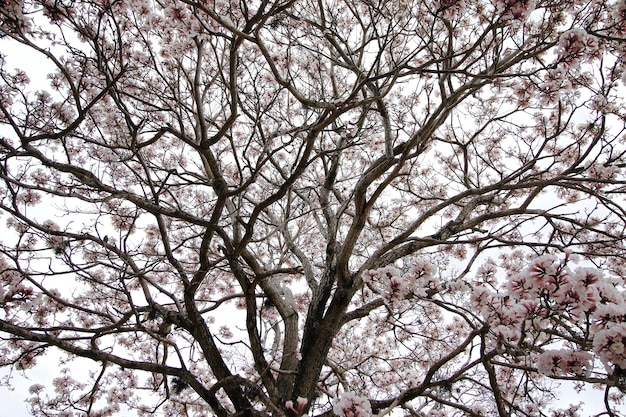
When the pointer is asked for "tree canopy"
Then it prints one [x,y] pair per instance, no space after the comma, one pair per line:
[314,207]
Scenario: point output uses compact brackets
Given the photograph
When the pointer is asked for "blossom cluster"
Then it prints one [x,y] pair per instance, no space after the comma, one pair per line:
[563,361]
[450,8]
[618,14]
[351,405]
[548,295]
[515,10]
[576,45]
[394,284]
[609,344]
[13,291]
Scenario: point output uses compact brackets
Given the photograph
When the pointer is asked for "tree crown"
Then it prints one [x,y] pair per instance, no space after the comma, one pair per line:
[348,208]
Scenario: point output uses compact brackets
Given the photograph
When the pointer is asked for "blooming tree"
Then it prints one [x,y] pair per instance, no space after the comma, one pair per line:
[314,207]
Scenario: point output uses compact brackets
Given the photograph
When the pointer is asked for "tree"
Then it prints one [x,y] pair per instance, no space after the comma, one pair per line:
[347,207]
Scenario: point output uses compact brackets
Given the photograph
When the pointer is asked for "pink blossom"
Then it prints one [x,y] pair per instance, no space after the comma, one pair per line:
[618,13]
[575,46]
[606,315]
[515,10]
[299,406]
[450,8]
[563,362]
[396,285]
[29,198]
[609,344]
[349,404]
